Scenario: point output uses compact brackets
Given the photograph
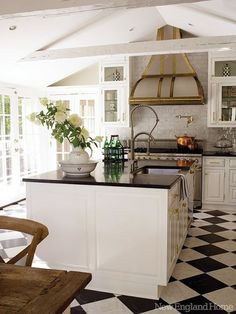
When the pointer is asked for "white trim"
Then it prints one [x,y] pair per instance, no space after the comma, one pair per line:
[21,8]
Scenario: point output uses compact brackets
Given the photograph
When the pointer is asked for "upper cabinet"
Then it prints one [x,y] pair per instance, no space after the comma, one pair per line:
[114,84]
[222,89]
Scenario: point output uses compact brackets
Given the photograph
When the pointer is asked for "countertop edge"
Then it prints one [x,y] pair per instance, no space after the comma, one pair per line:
[129,185]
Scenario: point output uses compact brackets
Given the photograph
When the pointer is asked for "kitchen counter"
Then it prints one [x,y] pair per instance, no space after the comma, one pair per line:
[110,223]
[118,175]
[219,153]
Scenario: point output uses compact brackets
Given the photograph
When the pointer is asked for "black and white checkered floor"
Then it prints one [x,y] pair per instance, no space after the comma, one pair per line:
[204,279]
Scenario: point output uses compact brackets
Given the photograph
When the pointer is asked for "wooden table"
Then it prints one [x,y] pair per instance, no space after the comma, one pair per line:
[38,291]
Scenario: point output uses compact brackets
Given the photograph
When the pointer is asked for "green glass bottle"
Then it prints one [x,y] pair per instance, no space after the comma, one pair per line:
[106,149]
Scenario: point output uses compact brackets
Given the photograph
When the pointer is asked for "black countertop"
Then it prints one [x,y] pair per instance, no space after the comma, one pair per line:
[117,175]
[219,153]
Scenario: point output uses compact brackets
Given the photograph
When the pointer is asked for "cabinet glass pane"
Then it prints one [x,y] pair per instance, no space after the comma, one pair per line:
[113,74]
[225,68]
[110,105]
[228,103]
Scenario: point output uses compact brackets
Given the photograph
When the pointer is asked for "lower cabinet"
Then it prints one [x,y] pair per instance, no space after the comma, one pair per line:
[214,185]
[219,180]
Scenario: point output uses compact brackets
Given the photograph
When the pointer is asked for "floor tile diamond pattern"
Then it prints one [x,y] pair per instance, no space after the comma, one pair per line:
[203,280]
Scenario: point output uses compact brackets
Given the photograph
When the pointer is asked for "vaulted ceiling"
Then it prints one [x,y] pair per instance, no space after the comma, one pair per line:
[57,29]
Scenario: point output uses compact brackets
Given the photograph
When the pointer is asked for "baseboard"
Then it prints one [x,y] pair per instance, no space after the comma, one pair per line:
[222,207]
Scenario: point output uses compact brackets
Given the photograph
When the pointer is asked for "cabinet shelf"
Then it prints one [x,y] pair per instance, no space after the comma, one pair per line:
[229,99]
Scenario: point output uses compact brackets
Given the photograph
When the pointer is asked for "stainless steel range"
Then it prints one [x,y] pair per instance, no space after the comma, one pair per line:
[175,154]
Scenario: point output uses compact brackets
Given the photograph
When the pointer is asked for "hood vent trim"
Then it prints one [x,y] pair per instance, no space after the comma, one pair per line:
[168,79]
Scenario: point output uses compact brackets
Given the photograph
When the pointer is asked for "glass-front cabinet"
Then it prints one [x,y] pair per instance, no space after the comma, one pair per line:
[114,92]
[222,90]
[227,102]
[111,105]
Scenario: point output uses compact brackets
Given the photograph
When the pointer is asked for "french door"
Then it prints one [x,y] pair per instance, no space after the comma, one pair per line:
[84,104]
[19,144]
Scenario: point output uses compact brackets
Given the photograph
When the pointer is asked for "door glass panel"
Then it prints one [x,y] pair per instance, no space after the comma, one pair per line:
[20,106]
[62,150]
[1,147]
[22,164]
[87,112]
[110,100]
[83,107]
[7,104]
[20,127]
[1,169]
[228,103]
[7,126]
[8,148]
[91,108]
[114,73]
[1,106]
[1,125]
[9,166]
[225,68]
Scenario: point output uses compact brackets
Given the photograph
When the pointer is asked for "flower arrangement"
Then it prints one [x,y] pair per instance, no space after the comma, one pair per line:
[64,125]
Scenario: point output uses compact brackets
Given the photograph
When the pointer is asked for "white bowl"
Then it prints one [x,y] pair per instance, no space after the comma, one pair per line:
[77,170]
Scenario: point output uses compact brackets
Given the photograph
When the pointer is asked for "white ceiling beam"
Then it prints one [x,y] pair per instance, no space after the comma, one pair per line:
[188,45]
[19,8]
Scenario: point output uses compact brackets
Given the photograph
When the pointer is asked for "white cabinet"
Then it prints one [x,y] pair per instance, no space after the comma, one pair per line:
[222,89]
[114,92]
[213,185]
[219,180]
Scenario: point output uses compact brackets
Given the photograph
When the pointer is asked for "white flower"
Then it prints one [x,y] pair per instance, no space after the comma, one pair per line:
[85,133]
[99,139]
[75,120]
[60,117]
[33,118]
[43,101]
[61,106]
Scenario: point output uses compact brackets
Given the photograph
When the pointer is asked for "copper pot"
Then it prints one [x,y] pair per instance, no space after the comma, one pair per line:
[185,141]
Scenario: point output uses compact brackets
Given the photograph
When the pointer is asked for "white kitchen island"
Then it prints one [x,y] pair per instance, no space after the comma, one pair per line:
[128,234]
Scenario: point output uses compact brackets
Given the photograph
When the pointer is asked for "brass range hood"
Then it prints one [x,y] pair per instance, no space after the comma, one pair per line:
[168,79]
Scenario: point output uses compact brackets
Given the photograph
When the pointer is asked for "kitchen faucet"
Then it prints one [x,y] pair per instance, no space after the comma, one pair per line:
[134,137]
[189,118]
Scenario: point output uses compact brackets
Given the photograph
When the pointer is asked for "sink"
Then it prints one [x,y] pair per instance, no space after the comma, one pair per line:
[157,171]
